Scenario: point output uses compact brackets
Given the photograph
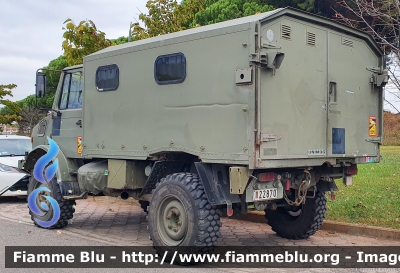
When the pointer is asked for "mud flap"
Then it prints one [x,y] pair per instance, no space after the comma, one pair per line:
[216,184]
[160,170]
[324,186]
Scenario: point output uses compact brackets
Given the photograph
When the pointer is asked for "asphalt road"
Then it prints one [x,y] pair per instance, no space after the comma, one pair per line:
[21,234]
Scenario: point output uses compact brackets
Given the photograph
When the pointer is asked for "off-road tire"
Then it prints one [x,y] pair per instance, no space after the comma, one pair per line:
[203,220]
[144,205]
[299,227]
[67,207]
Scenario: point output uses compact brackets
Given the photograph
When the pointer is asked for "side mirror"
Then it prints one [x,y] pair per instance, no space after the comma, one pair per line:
[40,85]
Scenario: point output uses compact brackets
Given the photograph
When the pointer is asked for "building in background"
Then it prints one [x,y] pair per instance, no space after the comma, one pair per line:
[6,129]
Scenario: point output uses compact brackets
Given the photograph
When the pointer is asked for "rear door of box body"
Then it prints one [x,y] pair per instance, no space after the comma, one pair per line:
[319,103]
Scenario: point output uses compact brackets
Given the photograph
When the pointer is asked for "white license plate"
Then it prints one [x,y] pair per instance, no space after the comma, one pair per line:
[266,194]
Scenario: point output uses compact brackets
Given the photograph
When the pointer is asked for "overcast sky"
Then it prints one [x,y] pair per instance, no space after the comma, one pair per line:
[31,33]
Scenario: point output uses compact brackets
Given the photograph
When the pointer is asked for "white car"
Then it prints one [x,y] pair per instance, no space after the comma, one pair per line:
[13,182]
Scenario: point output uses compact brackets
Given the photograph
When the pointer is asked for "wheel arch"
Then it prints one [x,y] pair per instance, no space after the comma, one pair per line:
[65,165]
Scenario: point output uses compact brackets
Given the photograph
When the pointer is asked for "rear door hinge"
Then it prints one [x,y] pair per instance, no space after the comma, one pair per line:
[259,58]
[270,60]
[379,77]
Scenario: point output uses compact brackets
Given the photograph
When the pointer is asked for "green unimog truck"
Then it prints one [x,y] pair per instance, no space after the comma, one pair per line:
[266,110]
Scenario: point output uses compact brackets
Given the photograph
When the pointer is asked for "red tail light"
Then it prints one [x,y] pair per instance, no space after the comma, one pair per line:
[265,177]
[352,170]
[287,187]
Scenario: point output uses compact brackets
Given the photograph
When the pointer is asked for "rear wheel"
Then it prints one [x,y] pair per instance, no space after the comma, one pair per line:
[67,208]
[299,222]
[180,215]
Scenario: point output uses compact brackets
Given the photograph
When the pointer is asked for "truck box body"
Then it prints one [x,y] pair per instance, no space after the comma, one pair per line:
[278,89]
[266,110]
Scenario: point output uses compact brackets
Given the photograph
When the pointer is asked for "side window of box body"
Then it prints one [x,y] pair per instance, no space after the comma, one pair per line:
[107,78]
[170,69]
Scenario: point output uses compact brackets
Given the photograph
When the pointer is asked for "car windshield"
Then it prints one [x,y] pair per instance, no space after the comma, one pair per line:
[15,147]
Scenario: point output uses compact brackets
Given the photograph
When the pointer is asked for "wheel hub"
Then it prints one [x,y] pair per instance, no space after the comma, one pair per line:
[41,201]
[173,221]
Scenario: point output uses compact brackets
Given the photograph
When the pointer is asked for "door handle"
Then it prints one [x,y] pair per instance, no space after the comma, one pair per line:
[79,122]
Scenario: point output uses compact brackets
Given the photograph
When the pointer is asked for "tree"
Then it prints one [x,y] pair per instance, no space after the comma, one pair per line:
[324,8]
[119,41]
[12,107]
[52,80]
[223,10]
[381,20]
[307,5]
[165,16]
[30,117]
[24,110]
[81,40]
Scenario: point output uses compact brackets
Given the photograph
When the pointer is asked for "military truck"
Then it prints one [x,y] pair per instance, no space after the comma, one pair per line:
[266,111]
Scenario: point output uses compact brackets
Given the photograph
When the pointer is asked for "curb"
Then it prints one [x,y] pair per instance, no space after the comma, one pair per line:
[351,229]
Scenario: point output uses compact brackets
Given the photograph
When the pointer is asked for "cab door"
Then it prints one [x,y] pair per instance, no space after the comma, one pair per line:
[68,120]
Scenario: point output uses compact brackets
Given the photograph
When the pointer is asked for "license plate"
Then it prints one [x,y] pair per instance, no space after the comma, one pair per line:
[266,194]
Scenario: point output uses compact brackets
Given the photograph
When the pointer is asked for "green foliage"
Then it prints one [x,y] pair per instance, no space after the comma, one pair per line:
[53,78]
[223,10]
[251,8]
[25,105]
[119,41]
[165,16]
[81,40]
[307,5]
[9,114]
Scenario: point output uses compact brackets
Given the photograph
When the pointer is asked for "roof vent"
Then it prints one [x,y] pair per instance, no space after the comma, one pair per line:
[347,42]
[286,31]
[310,38]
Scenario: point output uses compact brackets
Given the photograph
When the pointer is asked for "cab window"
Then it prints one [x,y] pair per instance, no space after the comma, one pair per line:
[72,89]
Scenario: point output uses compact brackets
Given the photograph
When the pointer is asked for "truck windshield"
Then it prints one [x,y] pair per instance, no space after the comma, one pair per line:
[14,147]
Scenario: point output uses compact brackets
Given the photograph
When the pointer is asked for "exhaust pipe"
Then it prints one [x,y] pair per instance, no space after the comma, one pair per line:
[124,195]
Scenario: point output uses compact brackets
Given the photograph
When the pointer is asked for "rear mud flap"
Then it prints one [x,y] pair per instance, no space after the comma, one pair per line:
[216,184]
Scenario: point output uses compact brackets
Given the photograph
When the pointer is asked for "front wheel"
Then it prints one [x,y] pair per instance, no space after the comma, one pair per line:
[45,207]
[180,214]
[299,222]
